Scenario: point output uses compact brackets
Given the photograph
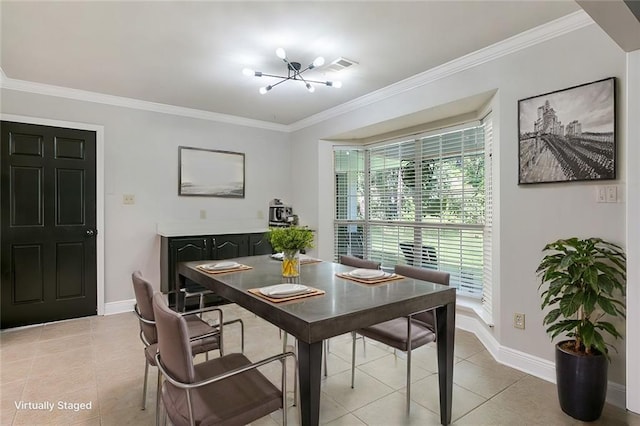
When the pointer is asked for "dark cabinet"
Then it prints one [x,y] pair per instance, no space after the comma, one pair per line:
[229,246]
[205,247]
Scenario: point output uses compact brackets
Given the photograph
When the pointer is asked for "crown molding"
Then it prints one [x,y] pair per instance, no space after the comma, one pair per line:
[539,34]
[101,98]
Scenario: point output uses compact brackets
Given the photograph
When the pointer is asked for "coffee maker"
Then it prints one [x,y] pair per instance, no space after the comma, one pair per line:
[280,214]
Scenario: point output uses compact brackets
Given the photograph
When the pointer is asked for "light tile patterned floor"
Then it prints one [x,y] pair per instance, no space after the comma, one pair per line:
[99,360]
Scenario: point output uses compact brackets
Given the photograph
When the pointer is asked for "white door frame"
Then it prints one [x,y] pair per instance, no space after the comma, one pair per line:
[99,186]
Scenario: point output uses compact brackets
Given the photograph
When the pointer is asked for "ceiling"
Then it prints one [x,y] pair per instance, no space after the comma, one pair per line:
[191,54]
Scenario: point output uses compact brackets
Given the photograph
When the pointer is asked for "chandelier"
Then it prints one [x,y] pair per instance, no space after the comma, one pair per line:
[294,72]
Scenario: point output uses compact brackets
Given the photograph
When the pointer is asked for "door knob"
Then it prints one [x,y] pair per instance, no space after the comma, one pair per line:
[91,232]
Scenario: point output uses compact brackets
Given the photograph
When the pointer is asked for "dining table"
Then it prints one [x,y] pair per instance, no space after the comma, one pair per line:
[342,306]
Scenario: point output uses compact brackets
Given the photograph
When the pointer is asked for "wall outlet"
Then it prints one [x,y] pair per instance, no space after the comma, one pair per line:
[203,214]
[128,199]
[518,320]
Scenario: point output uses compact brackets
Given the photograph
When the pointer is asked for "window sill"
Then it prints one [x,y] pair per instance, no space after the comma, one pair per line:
[473,305]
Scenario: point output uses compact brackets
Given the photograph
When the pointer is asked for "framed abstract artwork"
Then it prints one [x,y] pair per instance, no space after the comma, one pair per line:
[569,134]
[210,173]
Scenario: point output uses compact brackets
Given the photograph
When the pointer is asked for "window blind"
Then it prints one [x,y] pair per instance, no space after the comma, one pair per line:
[422,203]
[487,284]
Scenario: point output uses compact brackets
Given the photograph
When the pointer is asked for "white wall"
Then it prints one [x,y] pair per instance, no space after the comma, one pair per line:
[633,231]
[529,216]
[141,158]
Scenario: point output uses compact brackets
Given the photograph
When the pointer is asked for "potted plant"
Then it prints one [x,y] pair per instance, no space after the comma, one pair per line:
[584,282]
[290,240]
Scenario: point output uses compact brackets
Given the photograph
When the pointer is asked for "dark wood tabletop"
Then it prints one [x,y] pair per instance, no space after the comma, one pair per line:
[345,306]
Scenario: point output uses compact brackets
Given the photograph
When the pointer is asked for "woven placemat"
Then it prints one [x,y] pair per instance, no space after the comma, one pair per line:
[224,271]
[393,277]
[315,292]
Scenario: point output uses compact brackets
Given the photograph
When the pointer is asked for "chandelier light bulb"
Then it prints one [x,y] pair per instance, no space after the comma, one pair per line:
[310,88]
[280,53]
[336,84]
[318,62]
[248,72]
[264,90]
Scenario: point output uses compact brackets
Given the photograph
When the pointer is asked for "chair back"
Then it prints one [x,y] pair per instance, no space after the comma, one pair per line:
[173,341]
[144,293]
[423,274]
[359,263]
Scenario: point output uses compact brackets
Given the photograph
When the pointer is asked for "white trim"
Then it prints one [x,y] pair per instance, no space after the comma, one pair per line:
[112,308]
[530,364]
[542,33]
[99,188]
[101,98]
[632,155]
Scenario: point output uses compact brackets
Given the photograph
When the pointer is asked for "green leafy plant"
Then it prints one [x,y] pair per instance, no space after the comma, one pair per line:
[290,239]
[586,280]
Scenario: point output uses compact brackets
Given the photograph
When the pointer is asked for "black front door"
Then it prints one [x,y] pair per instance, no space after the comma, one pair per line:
[48,232]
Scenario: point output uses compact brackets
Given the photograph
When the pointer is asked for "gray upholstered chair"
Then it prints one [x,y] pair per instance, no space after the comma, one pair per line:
[356,262]
[204,337]
[406,333]
[228,390]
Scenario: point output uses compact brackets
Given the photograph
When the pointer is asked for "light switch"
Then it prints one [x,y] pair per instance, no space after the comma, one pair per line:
[601,194]
[612,194]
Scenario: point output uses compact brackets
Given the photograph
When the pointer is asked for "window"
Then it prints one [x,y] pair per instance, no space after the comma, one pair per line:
[419,201]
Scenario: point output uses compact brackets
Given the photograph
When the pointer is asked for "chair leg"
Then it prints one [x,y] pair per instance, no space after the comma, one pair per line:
[409,347]
[144,386]
[353,359]
[158,392]
[295,368]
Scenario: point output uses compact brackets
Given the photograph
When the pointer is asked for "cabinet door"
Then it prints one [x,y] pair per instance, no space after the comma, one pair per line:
[259,244]
[229,246]
[185,249]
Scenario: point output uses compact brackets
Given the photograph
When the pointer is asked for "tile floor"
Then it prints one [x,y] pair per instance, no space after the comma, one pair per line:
[99,360]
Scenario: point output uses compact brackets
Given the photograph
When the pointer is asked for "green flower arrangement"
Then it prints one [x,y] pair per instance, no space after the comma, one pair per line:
[291,239]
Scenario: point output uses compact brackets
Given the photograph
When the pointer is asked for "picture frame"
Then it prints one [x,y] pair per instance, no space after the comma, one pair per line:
[210,173]
[568,135]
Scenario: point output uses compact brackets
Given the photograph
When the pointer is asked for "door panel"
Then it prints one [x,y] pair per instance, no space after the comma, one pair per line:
[48,215]
[28,284]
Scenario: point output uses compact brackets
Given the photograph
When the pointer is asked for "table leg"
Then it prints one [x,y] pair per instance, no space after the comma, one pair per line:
[446,323]
[309,371]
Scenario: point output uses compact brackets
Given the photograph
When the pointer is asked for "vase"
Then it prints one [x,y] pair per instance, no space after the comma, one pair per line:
[291,263]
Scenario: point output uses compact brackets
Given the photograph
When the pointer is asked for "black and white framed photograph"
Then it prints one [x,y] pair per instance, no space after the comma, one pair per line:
[210,173]
[568,135]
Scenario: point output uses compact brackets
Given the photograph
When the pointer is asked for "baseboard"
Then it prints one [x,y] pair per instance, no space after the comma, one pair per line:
[119,307]
[530,364]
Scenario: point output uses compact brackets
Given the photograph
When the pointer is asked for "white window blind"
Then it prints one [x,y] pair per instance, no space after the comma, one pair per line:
[350,177]
[423,203]
[487,287]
